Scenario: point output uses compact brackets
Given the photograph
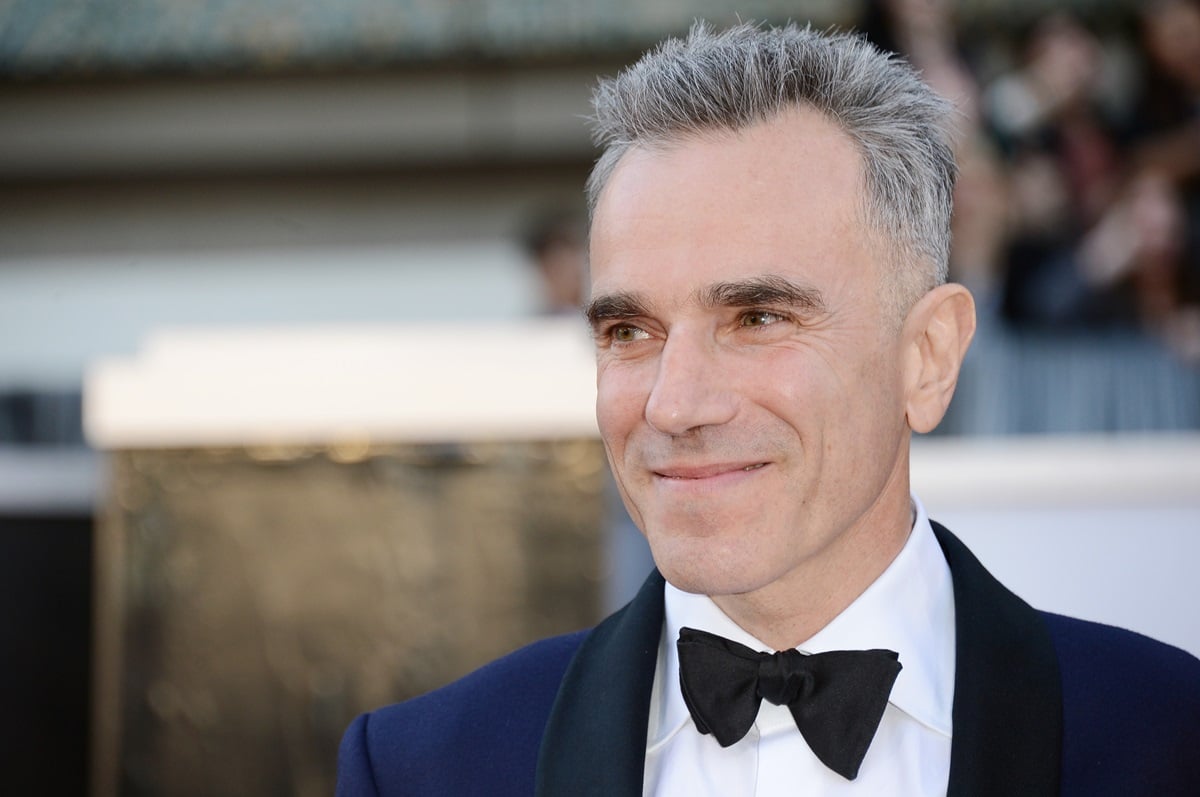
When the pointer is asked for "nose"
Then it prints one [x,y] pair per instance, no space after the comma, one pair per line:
[691,389]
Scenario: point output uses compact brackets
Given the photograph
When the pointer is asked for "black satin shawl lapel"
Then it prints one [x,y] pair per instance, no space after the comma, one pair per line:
[1007,691]
[595,739]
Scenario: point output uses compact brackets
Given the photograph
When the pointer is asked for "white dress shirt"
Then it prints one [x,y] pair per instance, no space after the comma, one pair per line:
[908,609]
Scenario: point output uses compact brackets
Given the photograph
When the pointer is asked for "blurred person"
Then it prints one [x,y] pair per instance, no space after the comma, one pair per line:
[556,242]
[1083,281]
[1057,120]
[1045,285]
[924,32]
[768,251]
[1166,152]
[1169,113]
[1142,243]
[1105,211]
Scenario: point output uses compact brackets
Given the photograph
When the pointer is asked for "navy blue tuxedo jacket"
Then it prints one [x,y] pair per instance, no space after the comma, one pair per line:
[1043,705]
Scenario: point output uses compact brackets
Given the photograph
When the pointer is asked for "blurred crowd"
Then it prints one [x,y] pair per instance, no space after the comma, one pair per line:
[1077,211]
[1078,208]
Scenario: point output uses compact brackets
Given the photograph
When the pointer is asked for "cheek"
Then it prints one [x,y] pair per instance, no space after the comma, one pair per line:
[619,405]
[869,422]
[837,407]
[882,388]
[799,390]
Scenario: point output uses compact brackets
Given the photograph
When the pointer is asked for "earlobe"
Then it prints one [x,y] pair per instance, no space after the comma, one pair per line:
[937,332]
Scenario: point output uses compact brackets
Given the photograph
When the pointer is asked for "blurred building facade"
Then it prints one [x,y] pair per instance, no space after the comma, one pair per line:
[169,164]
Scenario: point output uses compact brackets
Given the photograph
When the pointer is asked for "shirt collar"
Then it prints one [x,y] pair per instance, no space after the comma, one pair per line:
[908,609]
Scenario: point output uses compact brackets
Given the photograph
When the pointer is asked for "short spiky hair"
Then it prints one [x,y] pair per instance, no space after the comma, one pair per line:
[715,81]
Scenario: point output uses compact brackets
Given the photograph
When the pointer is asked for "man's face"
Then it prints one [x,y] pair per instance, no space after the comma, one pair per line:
[750,387]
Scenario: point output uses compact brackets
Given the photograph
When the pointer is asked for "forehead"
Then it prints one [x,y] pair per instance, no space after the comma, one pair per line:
[780,197]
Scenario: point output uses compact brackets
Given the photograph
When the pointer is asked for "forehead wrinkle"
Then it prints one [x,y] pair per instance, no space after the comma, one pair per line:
[769,289]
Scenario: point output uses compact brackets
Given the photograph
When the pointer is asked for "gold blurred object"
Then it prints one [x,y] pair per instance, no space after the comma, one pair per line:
[251,602]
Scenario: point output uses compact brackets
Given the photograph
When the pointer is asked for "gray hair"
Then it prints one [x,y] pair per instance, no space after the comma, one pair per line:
[715,81]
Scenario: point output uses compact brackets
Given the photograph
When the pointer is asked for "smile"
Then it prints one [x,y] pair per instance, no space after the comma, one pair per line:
[707,471]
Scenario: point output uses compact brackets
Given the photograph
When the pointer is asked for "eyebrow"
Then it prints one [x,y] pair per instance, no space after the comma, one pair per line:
[769,291]
[614,306]
[766,290]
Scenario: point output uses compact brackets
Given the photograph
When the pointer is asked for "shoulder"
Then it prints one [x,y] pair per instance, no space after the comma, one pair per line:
[1131,709]
[1102,662]
[1075,639]
[484,728]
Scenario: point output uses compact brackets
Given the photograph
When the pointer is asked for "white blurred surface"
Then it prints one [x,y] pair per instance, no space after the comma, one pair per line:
[59,314]
[417,382]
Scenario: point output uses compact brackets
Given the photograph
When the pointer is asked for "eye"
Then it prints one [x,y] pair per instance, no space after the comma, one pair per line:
[759,318]
[626,333]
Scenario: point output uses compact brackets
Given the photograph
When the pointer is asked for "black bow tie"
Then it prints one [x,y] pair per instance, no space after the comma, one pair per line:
[837,698]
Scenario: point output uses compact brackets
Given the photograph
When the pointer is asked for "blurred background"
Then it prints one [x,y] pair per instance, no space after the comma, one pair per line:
[244,234]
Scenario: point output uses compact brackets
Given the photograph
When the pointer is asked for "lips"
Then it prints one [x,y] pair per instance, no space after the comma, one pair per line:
[697,472]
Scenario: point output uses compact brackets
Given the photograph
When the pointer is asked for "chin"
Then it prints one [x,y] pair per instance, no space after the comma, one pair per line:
[692,566]
[710,584]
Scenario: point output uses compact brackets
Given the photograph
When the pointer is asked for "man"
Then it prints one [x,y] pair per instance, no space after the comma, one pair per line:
[768,253]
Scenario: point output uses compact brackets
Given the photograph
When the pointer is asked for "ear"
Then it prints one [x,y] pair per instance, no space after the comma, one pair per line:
[936,335]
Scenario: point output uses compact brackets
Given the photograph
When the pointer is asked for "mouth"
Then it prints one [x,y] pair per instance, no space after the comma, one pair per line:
[697,473]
